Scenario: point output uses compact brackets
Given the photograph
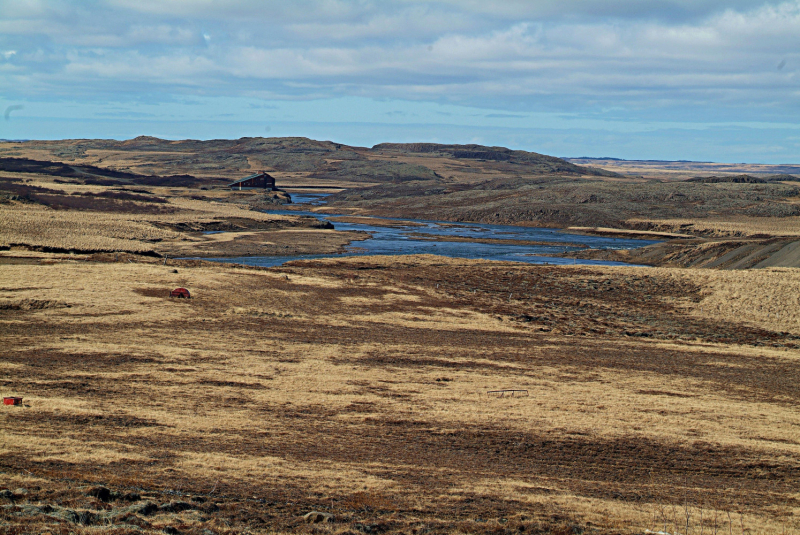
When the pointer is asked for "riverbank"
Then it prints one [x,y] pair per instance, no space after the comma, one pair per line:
[163,222]
[158,222]
[705,253]
[463,240]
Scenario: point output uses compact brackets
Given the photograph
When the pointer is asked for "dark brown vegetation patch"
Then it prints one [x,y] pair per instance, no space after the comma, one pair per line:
[110,421]
[585,303]
[422,457]
[124,196]
[32,304]
[732,179]
[236,384]
[58,362]
[665,393]
[107,201]
[98,204]
[557,201]
[61,506]
[153,292]
[93,175]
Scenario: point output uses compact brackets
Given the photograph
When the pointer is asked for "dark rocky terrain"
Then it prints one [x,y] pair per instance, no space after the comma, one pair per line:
[566,201]
[535,163]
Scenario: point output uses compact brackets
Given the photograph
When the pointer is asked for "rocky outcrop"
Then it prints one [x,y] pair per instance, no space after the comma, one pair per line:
[316,517]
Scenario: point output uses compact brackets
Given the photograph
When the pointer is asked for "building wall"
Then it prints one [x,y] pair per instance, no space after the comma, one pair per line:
[259,182]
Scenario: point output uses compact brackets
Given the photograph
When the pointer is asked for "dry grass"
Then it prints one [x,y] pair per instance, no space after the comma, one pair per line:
[37,226]
[684,170]
[174,231]
[741,226]
[359,386]
[623,232]
[767,298]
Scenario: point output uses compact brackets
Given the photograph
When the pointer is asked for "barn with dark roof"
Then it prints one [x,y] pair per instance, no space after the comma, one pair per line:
[260,180]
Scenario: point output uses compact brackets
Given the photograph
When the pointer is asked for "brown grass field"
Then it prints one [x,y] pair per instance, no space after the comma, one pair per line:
[682,170]
[660,399]
[378,389]
[177,229]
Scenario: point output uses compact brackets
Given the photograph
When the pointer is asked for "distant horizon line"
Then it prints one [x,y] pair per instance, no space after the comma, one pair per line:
[596,158]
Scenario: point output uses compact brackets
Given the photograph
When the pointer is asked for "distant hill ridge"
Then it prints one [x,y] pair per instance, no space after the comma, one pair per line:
[736,179]
[743,179]
[90,174]
[542,162]
[221,159]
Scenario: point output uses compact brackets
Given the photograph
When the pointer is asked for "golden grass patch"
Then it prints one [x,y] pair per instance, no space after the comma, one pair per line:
[741,226]
[36,226]
[320,379]
[766,297]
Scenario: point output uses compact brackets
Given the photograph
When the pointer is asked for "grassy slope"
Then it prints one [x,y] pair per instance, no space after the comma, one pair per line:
[557,201]
[223,159]
[52,215]
[359,386]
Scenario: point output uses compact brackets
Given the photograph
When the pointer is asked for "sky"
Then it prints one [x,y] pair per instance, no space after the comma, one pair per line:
[703,80]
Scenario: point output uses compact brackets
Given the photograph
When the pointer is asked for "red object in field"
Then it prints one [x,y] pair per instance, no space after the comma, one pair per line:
[12,401]
[180,292]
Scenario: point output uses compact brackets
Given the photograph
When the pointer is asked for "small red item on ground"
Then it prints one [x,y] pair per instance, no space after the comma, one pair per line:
[180,292]
[12,401]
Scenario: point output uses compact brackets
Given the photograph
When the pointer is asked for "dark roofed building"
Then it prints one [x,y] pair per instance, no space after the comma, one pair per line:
[260,180]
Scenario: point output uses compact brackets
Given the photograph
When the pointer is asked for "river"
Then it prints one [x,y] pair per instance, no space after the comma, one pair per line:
[420,238]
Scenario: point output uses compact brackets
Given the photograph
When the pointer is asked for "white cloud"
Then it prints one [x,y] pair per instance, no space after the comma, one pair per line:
[586,53]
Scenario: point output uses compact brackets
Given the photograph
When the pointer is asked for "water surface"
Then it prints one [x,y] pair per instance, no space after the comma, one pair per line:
[399,240]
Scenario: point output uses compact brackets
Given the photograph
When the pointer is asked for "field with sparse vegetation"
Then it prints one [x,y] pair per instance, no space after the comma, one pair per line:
[406,394]
[362,387]
[86,219]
